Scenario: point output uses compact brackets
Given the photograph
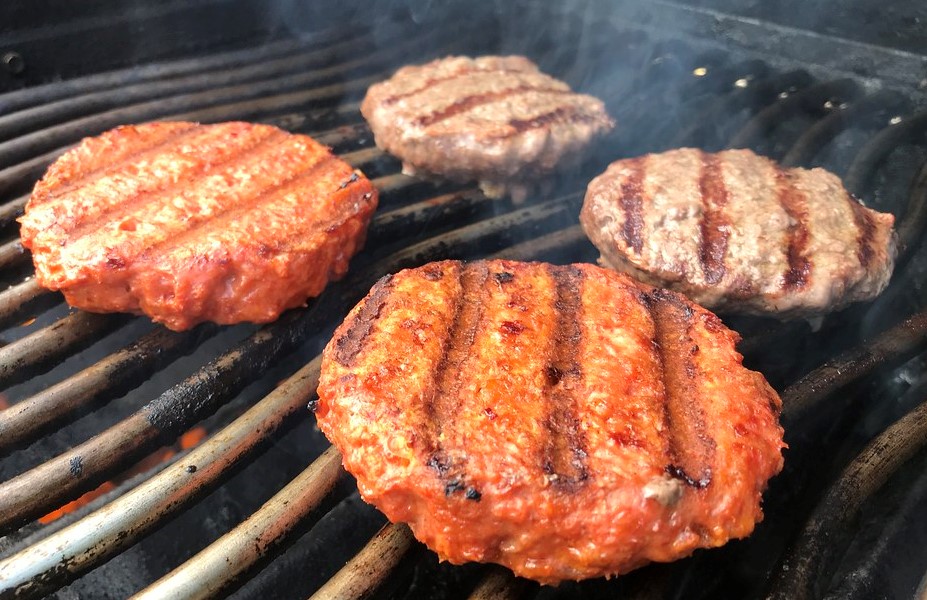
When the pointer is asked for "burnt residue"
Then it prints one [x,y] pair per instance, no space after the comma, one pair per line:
[439,462]
[177,409]
[553,374]
[503,277]
[449,474]
[452,486]
[125,369]
[76,466]
[473,494]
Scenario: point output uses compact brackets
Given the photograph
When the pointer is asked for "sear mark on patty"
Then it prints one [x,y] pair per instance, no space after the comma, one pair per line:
[352,343]
[690,449]
[714,226]
[564,459]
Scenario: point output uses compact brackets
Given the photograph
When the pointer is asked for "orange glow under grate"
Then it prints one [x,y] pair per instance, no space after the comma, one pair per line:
[188,440]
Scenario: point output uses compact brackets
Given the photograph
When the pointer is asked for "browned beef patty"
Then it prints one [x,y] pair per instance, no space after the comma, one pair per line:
[495,119]
[736,232]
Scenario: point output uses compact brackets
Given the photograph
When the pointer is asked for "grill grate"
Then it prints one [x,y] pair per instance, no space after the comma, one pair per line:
[91,395]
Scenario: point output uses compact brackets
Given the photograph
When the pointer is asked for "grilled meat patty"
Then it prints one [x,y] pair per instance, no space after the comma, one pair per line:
[736,232]
[188,223]
[565,421]
[495,119]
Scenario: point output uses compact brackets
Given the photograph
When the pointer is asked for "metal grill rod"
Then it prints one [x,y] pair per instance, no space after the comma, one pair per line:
[12,209]
[269,526]
[763,92]
[878,148]
[44,140]
[501,584]
[45,348]
[893,346]
[62,556]
[107,379]
[12,255]
[18,179]
[12,124]
[803,572]
[770,117]
[50,92]
[369,568]
[17,301]
[824,131]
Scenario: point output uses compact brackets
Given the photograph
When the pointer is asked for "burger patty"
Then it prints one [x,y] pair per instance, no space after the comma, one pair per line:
[495,119]
[564,421]
[736,232]
[188,223]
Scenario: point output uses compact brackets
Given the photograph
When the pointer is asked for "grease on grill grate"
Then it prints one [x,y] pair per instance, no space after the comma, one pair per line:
[261,505]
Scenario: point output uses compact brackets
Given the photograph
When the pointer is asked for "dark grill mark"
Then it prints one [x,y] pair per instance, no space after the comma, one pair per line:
[714,224]
[443,401]
[632,203]
[565,449]
[569,115]
[350,345]
[166,186]
[795,205]
[70,184]
[432,81]
[245,205]
[866,228]
[468,103]
[690,449]
[504,277]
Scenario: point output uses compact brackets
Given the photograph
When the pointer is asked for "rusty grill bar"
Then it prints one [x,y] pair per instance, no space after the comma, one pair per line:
[674,93]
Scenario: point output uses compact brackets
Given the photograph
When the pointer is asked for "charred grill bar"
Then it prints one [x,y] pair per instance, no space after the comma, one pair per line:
[89,396]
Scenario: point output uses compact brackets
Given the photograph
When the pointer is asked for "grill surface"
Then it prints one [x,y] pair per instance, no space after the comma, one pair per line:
[262,508]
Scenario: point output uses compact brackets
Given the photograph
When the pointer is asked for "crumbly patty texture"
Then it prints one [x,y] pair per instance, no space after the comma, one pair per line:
[736,232]
[495,119]
[564,421]
[187,223]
